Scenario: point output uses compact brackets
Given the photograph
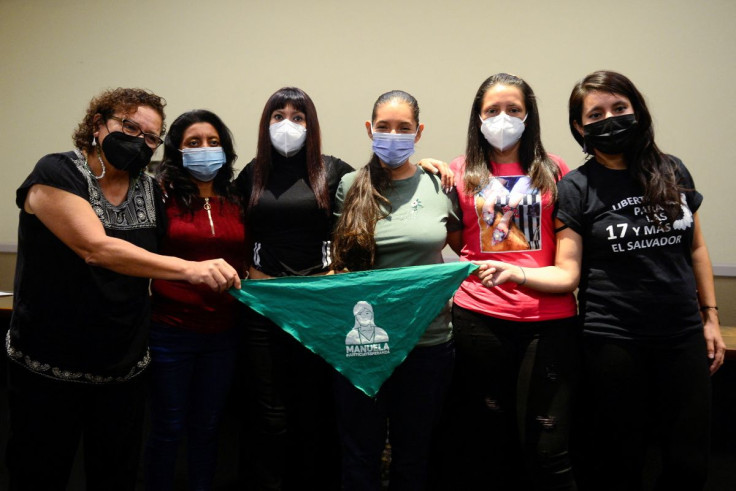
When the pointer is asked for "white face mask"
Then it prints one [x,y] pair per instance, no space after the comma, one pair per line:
[287,137]
[503,130]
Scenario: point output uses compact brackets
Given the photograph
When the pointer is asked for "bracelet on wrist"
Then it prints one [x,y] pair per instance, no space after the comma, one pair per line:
[703,308]
[524,273]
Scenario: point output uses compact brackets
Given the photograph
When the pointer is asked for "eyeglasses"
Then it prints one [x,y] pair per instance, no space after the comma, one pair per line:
[131,128]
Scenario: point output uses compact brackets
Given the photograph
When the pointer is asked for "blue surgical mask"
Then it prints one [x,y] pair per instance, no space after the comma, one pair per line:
[393,149]
[203,163]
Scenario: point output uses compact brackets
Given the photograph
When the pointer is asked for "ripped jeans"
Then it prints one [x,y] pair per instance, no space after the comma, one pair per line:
[508,424]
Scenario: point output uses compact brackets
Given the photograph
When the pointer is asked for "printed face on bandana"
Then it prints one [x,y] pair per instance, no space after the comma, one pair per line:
[364,317]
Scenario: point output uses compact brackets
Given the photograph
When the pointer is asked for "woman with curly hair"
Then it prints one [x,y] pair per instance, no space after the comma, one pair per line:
[90,226]
[193,337]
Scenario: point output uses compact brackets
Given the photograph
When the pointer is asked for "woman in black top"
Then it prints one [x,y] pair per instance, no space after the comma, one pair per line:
[630,235]
[289,191]
[90,224]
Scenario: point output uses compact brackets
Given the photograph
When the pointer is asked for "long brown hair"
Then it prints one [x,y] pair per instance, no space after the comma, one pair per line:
[651,169]
[316,172]
[535,162]
[354,241]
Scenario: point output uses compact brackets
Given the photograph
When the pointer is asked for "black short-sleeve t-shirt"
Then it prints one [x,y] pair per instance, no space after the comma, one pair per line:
[72,321]
[637,280]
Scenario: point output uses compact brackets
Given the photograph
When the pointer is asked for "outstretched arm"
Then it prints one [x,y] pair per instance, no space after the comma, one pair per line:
[71,219]
[563,277]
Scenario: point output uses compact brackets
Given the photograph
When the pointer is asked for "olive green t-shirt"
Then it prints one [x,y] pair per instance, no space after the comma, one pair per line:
[415,232]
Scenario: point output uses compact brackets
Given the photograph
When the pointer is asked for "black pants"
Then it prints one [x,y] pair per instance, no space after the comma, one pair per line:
[509,419]
[49,417]
[406,409]
[640,396]
[291,437]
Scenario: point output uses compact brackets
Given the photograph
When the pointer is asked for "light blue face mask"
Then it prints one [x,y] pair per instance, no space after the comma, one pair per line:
[203,163]
[393,149]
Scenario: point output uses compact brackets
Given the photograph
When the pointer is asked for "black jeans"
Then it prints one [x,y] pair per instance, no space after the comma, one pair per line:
[291,434]
[640,395]
[49,417]
[509,419]
[406,409]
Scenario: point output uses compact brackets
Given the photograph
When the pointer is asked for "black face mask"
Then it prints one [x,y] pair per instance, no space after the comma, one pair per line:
[611,135]
[125,152]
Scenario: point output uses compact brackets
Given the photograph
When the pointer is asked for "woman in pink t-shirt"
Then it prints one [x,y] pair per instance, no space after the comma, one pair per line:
[516,347]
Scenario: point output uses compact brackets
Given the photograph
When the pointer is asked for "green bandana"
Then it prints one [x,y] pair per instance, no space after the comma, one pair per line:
[365,323]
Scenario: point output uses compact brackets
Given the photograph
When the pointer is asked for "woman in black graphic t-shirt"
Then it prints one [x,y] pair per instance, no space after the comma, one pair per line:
[651,332]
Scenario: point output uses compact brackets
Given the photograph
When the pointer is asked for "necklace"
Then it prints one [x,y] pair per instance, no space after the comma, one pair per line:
[101,163]
[209,214]
[83,157]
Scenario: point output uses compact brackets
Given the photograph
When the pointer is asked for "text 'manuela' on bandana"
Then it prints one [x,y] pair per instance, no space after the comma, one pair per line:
[364,323]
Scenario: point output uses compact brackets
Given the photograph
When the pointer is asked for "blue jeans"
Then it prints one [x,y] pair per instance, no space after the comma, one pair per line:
[410,402]
[191,374]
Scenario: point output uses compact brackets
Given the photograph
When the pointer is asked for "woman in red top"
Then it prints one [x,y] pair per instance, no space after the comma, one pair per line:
[515,347]
[193,340]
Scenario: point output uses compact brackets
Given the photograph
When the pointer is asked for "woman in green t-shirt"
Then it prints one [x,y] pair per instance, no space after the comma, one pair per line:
[392,214]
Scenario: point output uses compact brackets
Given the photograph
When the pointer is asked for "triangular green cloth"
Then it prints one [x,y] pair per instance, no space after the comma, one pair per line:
[365,323]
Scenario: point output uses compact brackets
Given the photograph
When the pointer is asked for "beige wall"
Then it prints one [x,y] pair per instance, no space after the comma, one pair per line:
[7,271]
[726,293]
[230,55]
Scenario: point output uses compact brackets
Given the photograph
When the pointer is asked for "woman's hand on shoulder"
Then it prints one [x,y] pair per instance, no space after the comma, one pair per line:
[434,166]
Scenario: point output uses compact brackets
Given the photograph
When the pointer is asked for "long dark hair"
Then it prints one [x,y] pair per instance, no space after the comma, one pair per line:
[535,162]
[316,172]
[354,241]
[649,167]
[172,175]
